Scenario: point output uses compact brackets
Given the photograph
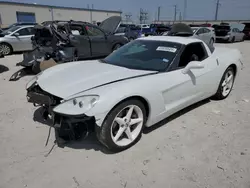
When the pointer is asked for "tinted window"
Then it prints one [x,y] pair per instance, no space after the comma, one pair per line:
[223,27]
[200,31]
[145,55]
[206,30]
[10,30]
[93,31]
[25,31]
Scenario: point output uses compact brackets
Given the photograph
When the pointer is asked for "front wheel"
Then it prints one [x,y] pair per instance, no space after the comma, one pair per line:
[123,126]
[5,49]
[226,84]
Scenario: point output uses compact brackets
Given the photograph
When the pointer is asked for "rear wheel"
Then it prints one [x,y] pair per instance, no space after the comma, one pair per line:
[226,84]
[123,126]
[233,40]
[5,49]
[211,42]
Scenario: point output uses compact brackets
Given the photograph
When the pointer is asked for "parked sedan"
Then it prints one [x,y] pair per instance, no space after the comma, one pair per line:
[205,34]
[228,33]
[17,38]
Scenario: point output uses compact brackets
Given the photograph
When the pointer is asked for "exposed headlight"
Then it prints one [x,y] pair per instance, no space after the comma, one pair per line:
[77,106]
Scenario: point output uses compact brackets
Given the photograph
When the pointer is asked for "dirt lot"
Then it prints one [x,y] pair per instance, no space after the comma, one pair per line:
[207,145]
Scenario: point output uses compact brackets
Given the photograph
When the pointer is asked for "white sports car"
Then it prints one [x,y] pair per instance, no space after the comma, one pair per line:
[138,85]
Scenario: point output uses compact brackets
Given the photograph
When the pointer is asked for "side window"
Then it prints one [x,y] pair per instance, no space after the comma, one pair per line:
[237,30]
[192,52]
[234,30]
[93,31]
[200,31]
[31,30]
[206,30]
[24,32]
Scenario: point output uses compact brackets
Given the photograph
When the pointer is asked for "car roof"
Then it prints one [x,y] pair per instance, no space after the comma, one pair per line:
[181,40]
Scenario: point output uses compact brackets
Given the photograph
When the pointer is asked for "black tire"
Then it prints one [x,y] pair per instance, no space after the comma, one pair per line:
[36,68]
[219,95]
[6,46]
[211,42]
[104,132]
[116,46]
[233,40]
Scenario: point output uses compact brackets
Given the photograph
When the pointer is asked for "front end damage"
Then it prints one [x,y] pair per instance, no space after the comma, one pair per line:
[67,127]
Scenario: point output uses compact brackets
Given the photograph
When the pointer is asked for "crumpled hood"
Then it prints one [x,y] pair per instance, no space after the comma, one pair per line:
[71,78]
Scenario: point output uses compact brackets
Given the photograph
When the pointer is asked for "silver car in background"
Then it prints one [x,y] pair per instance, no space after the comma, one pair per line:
[229,33]
[16,39]
[206,34]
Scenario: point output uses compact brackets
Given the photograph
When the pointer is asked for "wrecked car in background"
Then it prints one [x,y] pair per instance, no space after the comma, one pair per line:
[66,41]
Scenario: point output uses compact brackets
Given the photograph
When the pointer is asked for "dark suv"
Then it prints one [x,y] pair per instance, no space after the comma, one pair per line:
[246,30]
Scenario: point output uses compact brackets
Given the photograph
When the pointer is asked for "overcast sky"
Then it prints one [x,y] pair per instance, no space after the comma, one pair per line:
[196,9]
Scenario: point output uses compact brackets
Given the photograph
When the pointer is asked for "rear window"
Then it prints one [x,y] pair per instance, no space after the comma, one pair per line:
[247,25]
[223,27]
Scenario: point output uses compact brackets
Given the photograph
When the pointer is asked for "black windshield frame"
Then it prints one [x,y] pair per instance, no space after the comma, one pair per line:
[149,59]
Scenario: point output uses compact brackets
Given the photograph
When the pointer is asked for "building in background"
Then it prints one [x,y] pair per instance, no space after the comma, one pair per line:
[12,12]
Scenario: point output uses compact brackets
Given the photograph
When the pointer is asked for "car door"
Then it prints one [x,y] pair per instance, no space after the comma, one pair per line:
[239,34]
[98,40]
[207,35]
[200,34]
[198,84]
[21,39]
[80,40]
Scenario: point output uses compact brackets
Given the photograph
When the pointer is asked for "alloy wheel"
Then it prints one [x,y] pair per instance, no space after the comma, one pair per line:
[227,83]
[127,125]
[5,49]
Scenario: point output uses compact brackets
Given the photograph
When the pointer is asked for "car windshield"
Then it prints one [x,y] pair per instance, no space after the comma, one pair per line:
[144,55]
[10,30]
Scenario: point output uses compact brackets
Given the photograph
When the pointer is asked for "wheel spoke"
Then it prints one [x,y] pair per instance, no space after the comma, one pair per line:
[120,121]
[119,133]
[129,114]
[229,78]
[135,121]
[129,134]
[224,83]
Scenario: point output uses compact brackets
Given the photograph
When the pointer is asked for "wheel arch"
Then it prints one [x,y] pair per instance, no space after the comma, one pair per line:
[136,97]
[234,68]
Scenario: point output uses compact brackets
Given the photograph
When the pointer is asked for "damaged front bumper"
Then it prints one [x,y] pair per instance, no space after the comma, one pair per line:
[67,127]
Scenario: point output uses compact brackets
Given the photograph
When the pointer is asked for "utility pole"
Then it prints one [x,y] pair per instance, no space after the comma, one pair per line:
[91,17]
[175,12]
[159,13]
[180,17]
[217,10]
[185,10]
[143,16]
[128,16]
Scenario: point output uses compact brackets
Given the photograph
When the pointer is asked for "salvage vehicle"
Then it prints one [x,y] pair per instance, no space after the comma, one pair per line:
[228,33]
[66,41]
[138,85]
[204,33]
[16,39]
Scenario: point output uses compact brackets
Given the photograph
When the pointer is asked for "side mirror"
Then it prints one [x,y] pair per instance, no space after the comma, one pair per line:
[16,34]
[192,65]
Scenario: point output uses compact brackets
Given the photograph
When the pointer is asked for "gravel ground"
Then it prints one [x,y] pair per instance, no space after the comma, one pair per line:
[207,145]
